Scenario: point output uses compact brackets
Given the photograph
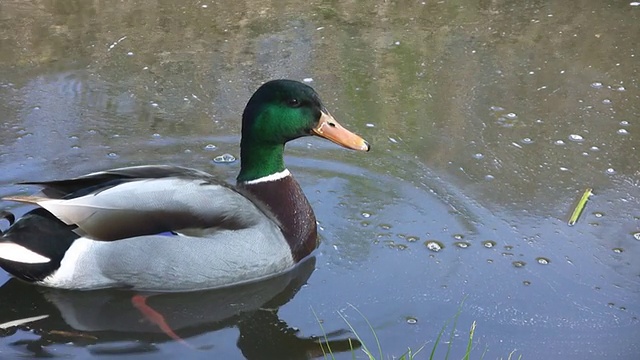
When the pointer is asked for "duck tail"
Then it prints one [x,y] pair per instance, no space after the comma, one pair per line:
[5,215]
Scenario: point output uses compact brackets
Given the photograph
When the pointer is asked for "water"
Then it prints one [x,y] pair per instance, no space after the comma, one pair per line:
[479,114]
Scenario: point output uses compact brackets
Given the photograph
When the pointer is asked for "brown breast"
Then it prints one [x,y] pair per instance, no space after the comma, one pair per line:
[284,200]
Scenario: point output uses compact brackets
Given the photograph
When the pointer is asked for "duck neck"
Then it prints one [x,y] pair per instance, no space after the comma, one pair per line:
[258,161]
[279,195]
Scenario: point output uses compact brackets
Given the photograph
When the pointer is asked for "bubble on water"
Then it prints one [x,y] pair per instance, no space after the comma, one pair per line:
[370,125]
[623,132]
[636,235]
[618,250]
[385,226]
[75,147]
[462,244]
[496,108]
[526,283]
[434,245]
[224,158]
[155,135]
[307,80]
[543,260]
[210,147]
[393,140]
[619,88]
[610,171]
[489,261]
[624,123]
[518,263]
[458,236]
[130,53]
[489,177]
[635,3]
[187,151]
[559,142]
[562,168]
[511,116]
[412,238]
[576,137]
[365,214]
[598,214]
[478,156]
[365,223]
[112,155]
[508,247]
[606,101]
[154,104]
[594,148]
[411,320]
[596,85]
[527,141]
[488,243]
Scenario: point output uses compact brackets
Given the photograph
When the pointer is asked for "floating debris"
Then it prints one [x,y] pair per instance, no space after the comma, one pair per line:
[224,158]
[22,321]
[434,245]
[580,206]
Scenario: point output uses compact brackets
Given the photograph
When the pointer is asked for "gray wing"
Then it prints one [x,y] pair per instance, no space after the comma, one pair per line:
[115,205]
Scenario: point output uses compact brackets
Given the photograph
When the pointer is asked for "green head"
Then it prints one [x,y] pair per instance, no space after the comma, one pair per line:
[279,111]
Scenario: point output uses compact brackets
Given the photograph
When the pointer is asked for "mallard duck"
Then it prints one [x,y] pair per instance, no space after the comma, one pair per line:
[171,228]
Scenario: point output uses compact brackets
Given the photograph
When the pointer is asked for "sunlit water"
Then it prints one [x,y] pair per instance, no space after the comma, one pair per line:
[487,120]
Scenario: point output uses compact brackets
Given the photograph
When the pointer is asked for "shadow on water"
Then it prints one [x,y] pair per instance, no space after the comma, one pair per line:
[107,323]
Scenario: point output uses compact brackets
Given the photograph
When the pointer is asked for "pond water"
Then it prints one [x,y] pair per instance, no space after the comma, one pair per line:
[487,119]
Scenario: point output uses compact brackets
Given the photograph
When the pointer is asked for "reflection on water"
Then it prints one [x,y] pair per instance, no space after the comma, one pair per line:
[487,120]
[108,323]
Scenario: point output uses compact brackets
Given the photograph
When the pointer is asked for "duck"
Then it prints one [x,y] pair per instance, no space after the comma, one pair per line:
[172,228]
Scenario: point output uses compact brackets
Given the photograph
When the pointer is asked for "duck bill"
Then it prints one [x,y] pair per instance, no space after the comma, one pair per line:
[330,129]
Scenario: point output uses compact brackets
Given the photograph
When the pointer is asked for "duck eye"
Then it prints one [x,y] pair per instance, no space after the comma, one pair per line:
[293,102]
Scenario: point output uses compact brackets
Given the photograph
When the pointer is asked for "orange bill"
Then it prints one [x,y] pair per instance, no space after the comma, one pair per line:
[330,129]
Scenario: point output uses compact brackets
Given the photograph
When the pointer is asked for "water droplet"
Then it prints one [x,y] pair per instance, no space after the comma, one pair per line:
[478,156]
[623,132]
[618,250]
[519,263]
[210,147]
[596,85]
[462,244]
[488,243]
[543,261]
[411,320]
[526,283]
[366,215]
[576,137]
[559,142]
[434,245]
[636,235]
[458,236]
[224,158]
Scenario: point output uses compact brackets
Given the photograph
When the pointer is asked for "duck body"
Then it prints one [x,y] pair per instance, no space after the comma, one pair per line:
[170,228]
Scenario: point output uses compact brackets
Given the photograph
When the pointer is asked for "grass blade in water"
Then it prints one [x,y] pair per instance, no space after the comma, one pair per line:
[579,207]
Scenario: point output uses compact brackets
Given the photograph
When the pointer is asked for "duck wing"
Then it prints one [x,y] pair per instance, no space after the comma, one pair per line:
[145,200]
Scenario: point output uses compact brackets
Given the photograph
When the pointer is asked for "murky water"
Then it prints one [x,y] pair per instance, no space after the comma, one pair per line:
[488,120]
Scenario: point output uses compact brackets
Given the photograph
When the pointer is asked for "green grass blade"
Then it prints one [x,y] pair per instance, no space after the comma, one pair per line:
[470,342]
[580,206]
[326,340]
[375,336]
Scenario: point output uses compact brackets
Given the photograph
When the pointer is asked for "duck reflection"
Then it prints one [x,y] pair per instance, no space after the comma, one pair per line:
[109,322]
